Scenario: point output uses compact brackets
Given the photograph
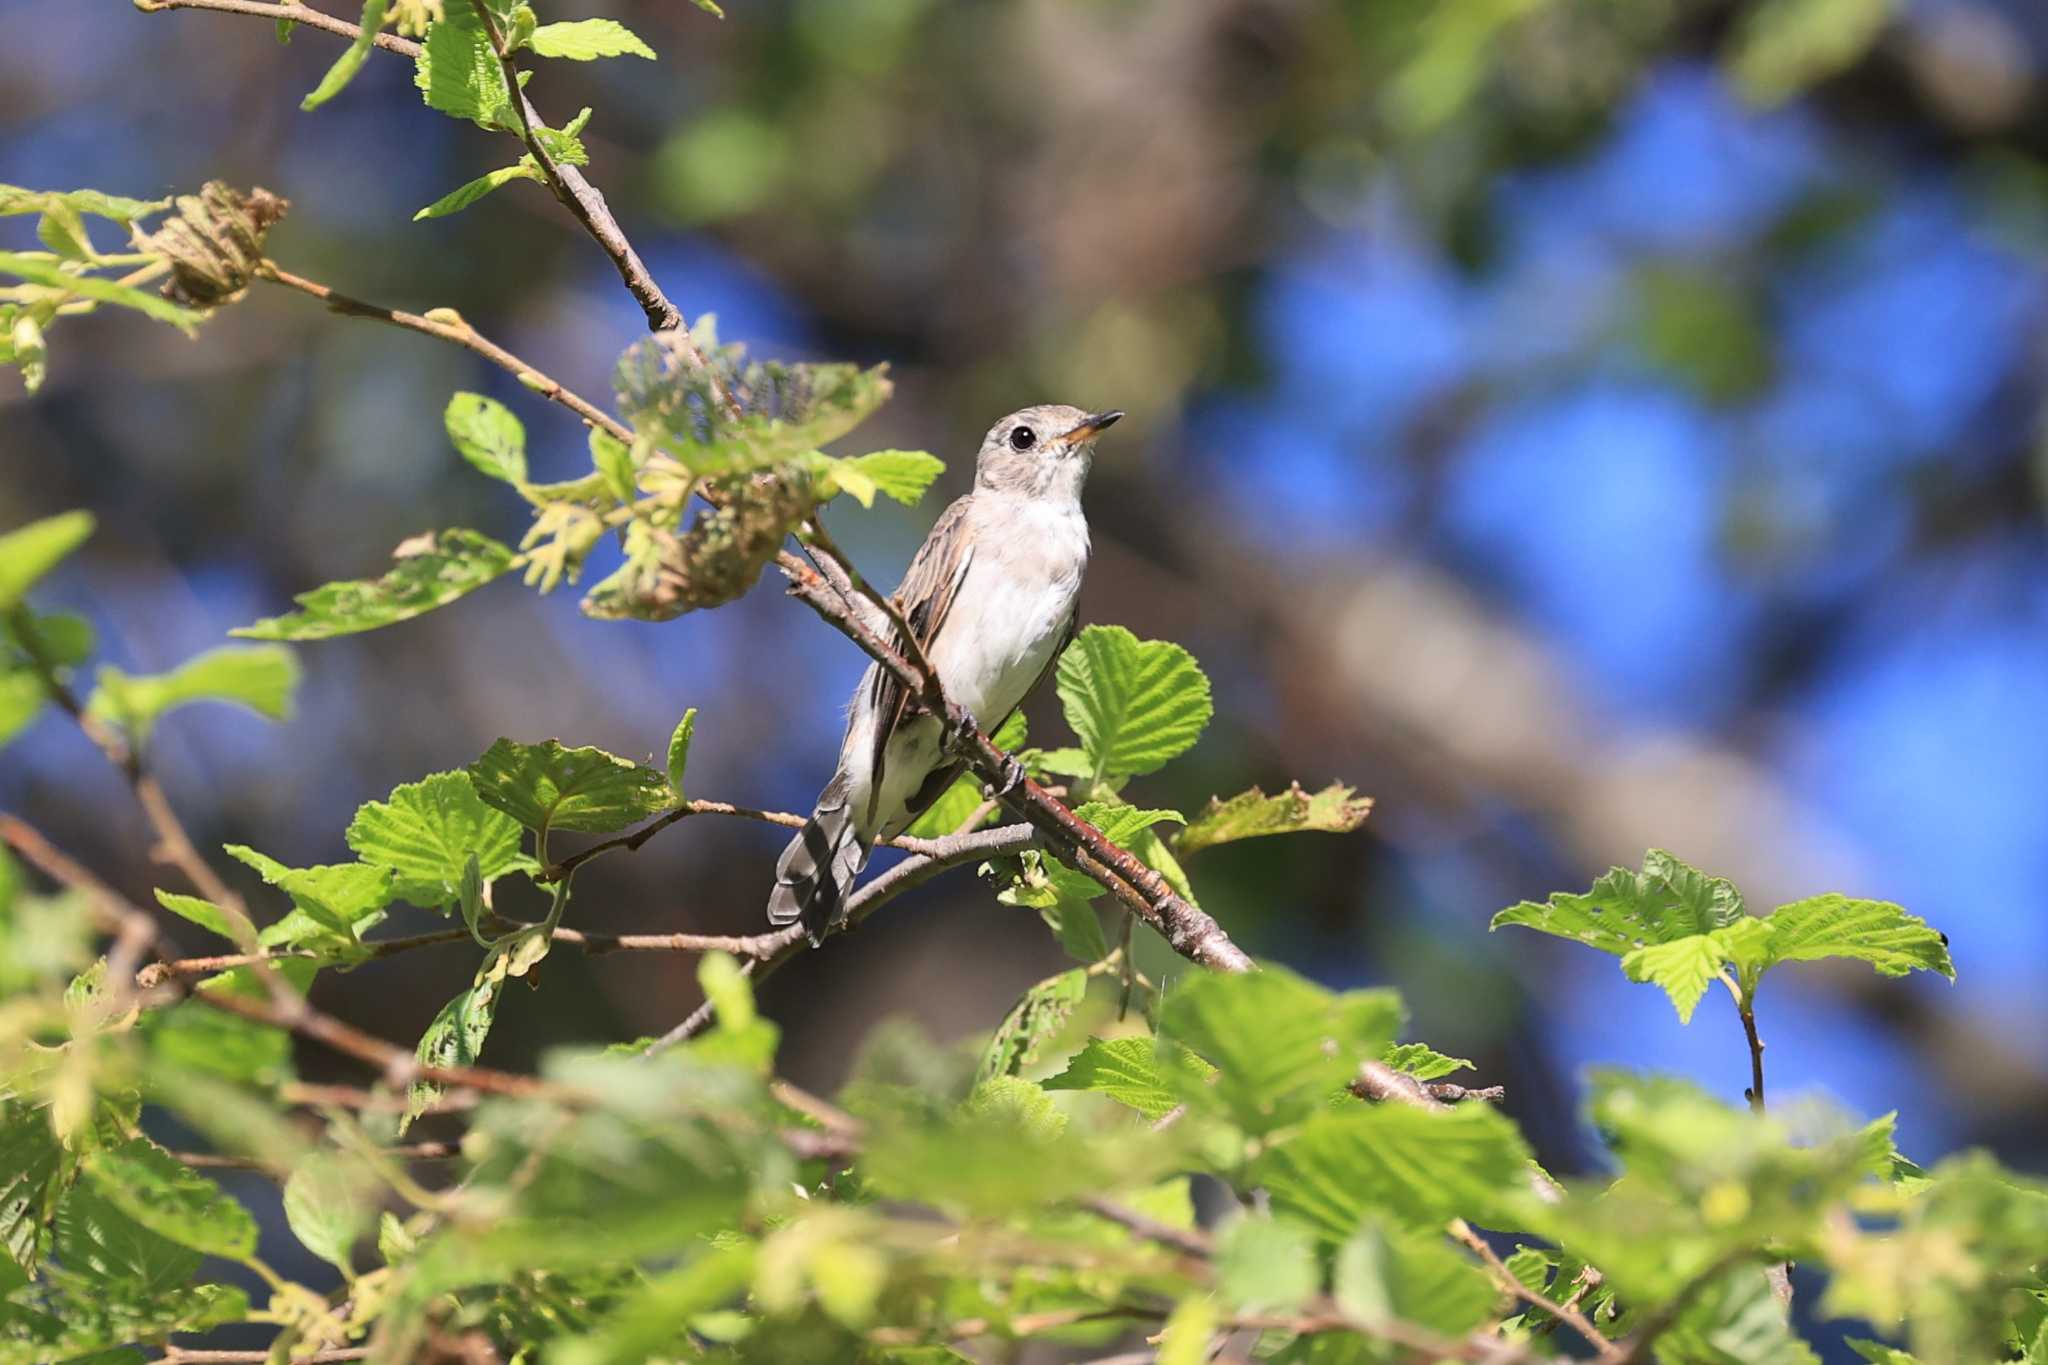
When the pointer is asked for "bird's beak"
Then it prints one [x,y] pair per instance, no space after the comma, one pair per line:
[1091,427]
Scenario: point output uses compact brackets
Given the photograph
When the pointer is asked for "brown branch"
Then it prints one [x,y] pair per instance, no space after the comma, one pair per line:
[1185,926]
[415,1151]
[287,10]
[588,207]
[182,1355]
[1566,1312]
[967,846]
[459,332]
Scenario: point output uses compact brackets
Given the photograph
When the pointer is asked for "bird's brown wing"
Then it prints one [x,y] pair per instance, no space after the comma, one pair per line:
[925,597]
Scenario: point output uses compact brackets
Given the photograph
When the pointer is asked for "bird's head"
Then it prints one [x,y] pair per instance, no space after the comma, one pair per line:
[1043,451]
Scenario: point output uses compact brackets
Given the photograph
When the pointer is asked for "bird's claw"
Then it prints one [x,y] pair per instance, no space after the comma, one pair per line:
[1013,776]
[958,725]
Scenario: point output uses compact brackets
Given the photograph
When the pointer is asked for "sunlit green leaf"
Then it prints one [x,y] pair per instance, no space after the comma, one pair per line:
[487,435]
[351,60]
[431,571]
[262,678]
[38,270]
[1335,810]
[1135,704]
[428,829]
[29,552]
[546,786]
[149,1185]
[586,40]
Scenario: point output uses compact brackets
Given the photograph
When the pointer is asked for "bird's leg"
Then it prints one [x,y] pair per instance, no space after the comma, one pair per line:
[1013,778]
[958,726]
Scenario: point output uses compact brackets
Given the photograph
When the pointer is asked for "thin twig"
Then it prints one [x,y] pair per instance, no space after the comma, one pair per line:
[289,11]
[415,1151]
[969,846]
[1566,1312]
[182,1355]
[459,332]
[1637,1349]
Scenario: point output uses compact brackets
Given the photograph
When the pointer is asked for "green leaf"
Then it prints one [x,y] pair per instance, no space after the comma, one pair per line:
[1120,823]
[32,1176]
[1626,910]
[1387,1275]
[14,199]
[1282,1045]
[431,571]
[588,39]
[1782,46]
[462,196]
[469,895]
[546,786]
[149,1185]
[613,460]
[96,1237]
[427,831]
[1877,932]
[710,7]
[64,639]
[488,436]
[1135,704]
[261,678]
[1416,1166]
[1736,1320]
[326,1202]
[29,552]
[351,61]
[679,753]
[36,270]
[195,1037]
[1682,967]
[1034,1021]
[1145,1074]
[340,896]
[203,913]
[455,1038]
[1877,1353]
[1422,1062]
[457,71]
[1265,1264]
[1185,1340]
[1335,809]
[21,700]
[900,474]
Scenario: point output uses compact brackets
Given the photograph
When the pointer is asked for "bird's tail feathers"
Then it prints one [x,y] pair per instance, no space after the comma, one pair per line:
[817,869]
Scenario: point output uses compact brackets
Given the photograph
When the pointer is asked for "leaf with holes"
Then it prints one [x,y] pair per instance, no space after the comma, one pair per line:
[1335,809]
[430,571]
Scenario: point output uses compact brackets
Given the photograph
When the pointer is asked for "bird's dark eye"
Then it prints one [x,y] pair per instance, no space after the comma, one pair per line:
[1022,438]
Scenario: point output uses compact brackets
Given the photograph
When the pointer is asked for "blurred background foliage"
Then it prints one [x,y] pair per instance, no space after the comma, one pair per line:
[1584,425]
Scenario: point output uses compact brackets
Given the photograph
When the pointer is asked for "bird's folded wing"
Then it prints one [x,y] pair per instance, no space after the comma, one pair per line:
[925,597]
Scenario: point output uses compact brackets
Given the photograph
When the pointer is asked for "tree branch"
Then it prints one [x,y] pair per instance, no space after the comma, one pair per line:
[1185,926]
[289,11]
[1566,1312]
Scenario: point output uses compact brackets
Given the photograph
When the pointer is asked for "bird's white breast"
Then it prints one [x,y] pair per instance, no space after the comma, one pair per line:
[1014,605]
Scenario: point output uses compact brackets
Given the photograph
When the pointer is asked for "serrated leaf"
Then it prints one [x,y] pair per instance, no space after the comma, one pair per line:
[1387,1275]
[613,460]
[1282,1045]
[904,475]
[1265,1264]
[149,1185]
[546,786]
[1035,1020]
[586,40]
[28,552]
[203,913]
[427,831]
[1135,704]
[32,1175]
[1415,1166]
[351,61]
[1120,823]
[1682,968]
[486,434]
[462,196]
[1422,1062]
[260,678]
[457,71]
[1146,1074]
[326,1202]
[96,1237]
[47,273]
[1877,932]
[431,571]
[679,753]
[342,897]
[1335,809]
[1627,910]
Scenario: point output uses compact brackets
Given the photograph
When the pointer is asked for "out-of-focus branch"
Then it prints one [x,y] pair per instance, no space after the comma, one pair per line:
[1566,1312]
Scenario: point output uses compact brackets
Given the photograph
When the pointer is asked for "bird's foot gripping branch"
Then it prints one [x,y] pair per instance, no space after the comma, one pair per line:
[675,1199]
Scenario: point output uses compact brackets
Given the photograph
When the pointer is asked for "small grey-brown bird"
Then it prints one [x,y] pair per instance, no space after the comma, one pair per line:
[990,596]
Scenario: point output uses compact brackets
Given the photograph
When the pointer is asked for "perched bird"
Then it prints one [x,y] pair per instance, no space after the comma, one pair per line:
[990,596]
